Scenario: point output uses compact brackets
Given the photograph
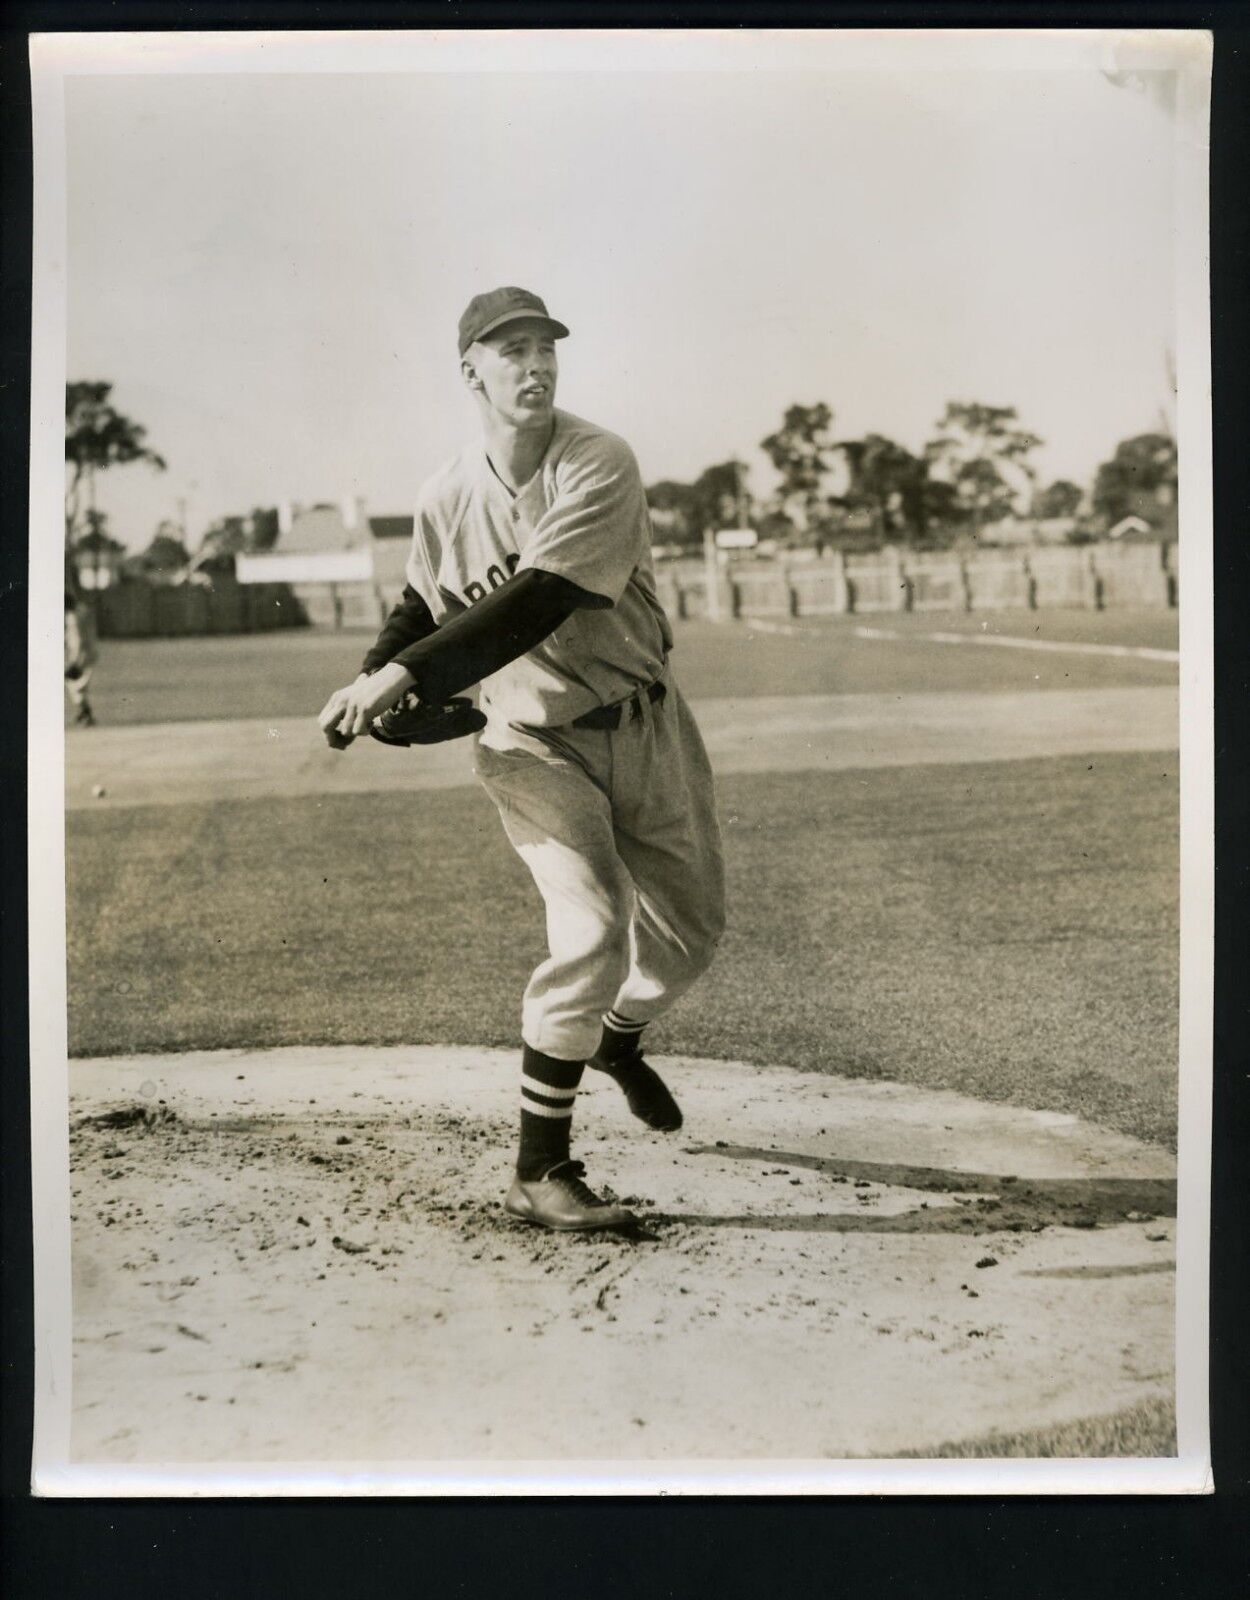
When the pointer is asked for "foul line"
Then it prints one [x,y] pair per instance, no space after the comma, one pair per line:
[1068,647]
[1140,652]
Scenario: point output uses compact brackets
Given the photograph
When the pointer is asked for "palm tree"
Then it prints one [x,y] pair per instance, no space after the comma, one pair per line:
[97,436]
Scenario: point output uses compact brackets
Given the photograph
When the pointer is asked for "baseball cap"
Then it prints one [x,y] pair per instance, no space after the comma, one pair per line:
[486,312]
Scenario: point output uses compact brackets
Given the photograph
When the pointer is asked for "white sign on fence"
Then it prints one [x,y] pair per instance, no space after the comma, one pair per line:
[313,566]
[736,539]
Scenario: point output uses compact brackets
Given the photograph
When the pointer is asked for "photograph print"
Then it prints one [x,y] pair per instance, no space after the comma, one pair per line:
[613,914]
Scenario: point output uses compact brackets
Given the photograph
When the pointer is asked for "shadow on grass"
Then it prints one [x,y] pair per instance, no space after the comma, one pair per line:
[995,1203]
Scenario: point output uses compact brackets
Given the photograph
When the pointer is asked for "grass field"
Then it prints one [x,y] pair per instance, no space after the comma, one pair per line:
[291,674]
[1144,1431]
[1006,929]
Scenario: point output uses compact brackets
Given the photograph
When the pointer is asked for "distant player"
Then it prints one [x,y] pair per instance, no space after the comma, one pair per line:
[531,573]
[80,657]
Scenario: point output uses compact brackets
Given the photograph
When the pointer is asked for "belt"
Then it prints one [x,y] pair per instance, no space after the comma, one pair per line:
[612,716]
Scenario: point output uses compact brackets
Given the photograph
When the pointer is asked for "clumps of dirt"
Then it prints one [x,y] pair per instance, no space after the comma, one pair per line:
[137,1118]
[350,1246]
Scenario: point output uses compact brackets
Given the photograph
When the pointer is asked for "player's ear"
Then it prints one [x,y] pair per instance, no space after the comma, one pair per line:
[469,373]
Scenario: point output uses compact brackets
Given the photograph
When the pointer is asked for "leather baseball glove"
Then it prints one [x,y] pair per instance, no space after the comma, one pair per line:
[413,721]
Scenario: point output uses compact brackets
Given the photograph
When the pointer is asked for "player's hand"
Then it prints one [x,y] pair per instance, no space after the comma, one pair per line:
[348,712]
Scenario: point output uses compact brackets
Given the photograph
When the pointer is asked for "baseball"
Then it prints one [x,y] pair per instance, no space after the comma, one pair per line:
[98,791]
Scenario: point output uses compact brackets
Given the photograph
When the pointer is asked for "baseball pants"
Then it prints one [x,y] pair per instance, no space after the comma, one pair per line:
[78,686]
[619,829]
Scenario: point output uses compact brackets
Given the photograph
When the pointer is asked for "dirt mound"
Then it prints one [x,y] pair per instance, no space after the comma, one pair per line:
[312,1263]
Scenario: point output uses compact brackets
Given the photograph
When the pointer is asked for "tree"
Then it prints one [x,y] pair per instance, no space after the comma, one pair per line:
[669,495]
[263,528]
[231,536]
[226,537]
[800,451]
[939,507]
[720,496]
[983,455]
[672,504]
[1139,479]
[1061,500]
[888,482]
[97,436]
[777,527]
[166,554]
[715,499]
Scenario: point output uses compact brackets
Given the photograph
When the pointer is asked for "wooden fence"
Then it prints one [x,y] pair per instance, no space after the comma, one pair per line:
[1094,577]
[142,610]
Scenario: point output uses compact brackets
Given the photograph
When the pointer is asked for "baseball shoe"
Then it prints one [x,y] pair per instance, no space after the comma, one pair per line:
[559,1199]
[645,1091]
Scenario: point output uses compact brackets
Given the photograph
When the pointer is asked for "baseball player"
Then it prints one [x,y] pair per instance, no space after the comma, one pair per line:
[81,654]
[530,574]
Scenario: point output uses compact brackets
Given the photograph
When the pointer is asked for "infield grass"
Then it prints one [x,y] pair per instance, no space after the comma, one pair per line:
[1007,930]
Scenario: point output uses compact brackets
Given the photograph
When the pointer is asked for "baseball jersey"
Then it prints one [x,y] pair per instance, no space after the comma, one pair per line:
[583,515]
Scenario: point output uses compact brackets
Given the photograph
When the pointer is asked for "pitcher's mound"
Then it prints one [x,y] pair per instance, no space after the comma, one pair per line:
[300,1255]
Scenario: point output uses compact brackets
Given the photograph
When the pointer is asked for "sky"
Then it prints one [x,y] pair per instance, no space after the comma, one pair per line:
[270,268]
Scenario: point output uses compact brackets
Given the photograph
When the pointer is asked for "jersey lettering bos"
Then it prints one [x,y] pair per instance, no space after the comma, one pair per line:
[583,515]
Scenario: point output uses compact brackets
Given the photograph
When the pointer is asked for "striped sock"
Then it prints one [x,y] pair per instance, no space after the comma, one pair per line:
[548,1090]
[620,1039]
[620,1056]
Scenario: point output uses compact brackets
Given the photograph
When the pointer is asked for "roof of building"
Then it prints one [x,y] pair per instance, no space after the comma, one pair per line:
[391,527]
[1132,525]
[320,528]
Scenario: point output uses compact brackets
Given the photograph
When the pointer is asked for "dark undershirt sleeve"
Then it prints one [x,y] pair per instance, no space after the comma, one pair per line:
[410,620]
[511,620]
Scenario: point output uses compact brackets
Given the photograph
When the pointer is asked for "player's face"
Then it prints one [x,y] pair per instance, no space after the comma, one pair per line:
[516,369]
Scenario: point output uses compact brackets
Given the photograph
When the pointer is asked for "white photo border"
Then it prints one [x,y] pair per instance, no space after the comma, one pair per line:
[56,57]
